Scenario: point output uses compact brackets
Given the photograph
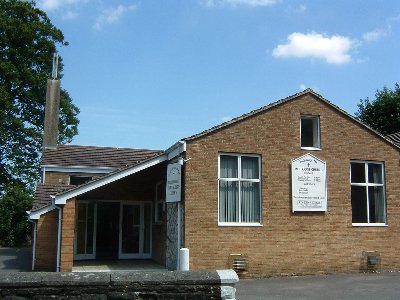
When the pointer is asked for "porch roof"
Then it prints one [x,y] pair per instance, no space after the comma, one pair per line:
[48,195]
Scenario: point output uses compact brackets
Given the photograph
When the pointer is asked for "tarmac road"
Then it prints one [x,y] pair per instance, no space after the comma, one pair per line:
[382,286]
[15,259]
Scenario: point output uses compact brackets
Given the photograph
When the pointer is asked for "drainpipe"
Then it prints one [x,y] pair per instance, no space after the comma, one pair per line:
[34,243]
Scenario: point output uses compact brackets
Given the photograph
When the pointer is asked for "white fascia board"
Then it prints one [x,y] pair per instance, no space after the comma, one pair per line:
[35,215]
[78,169]
[62,198]
[176,149]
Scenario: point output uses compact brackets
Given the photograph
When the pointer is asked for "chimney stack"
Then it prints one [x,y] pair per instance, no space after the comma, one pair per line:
[51,114]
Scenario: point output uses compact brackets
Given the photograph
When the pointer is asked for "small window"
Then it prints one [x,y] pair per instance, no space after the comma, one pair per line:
[239,189]
[159,201]
[309,132]
[368,201]
[78,180]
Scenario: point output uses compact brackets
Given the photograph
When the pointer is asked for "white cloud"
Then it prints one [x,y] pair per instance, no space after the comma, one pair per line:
[112,15]
[379,33]
[50,5]
[334,49]
[302,87]
[252,3]
[372,36]
[301,8]
[70,15]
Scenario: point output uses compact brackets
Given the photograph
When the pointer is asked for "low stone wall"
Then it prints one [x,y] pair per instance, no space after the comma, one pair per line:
[119,285]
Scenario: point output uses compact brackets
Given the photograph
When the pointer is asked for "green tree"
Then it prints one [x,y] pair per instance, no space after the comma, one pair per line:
[382,113]
[27,42]
[14,227]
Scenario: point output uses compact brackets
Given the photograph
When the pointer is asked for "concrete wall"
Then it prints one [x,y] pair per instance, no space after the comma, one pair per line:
[125,285]
[286,242]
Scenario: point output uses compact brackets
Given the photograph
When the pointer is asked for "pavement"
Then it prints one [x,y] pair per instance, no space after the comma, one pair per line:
[384,285]
[15,259]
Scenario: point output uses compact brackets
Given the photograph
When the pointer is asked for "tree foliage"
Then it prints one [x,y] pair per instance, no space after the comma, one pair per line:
[382,113]
[28,40]
[14,227]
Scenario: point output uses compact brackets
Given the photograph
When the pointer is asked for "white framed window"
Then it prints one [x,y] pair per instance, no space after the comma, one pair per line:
[239,189]
[368,201]
[159,201]
[310,137]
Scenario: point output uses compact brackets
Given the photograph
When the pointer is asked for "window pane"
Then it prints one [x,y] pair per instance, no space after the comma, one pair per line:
[307,136]
[359,204]
[250,202]
[375,173]
[250,167]
[377,209]
[310,132]
[228,201]
[357,172]
[228,166]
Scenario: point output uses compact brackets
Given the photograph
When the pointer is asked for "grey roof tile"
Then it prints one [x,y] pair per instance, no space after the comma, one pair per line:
[91,156]
[44,191]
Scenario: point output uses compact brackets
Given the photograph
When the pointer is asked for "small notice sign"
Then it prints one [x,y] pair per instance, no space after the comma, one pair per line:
[309,188]
[173,186]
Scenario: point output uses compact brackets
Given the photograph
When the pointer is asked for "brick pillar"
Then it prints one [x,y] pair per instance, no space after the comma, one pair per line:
[67,236]
[46,242]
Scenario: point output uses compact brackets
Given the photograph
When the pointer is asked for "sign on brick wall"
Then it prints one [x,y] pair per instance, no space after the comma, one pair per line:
[173,187]
[309,189]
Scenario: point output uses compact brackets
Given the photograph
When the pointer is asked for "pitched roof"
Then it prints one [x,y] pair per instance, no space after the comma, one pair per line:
[264,108]
[91,156]
[394,137]
[392,140]
[44,191]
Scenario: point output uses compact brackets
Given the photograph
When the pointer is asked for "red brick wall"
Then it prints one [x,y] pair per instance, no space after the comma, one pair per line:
[46,242]
[287,242]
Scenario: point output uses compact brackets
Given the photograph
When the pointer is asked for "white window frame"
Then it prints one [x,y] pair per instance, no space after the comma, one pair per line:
[239,179]
[367,184]
[318,131]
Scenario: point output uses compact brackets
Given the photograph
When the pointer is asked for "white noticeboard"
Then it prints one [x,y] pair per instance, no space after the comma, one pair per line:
[309,188]
[173,186]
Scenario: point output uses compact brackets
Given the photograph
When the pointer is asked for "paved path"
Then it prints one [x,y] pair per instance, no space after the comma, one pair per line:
[15,259]
[385,285]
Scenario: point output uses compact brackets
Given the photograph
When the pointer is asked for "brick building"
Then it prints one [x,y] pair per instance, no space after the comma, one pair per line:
[295,187]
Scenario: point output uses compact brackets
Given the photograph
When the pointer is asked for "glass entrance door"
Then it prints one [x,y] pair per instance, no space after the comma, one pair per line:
[135,230]
[85,231]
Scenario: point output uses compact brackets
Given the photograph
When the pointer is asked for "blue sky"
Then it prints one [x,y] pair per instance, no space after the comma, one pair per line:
[148,73]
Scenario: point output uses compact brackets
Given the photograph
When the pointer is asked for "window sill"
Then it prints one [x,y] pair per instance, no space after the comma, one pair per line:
[240,224]
[311,148]
[369,225]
